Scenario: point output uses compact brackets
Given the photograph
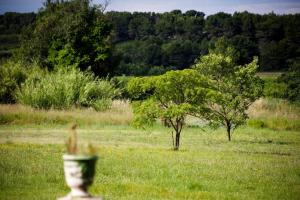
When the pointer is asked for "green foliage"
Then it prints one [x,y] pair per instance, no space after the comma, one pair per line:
[61,36]
[278,124]
[256,123]
[66,88]
[121,82]
[170,97]
[171,39]
[236,88]
[97,94]
[11,25]
[292,81]
[274,88]
[12,75]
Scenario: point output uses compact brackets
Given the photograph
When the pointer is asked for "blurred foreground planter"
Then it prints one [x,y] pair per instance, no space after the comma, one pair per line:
[79,175]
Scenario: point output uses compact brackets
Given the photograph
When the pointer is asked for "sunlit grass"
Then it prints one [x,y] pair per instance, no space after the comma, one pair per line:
[120,113]
[259,163]
[275,114]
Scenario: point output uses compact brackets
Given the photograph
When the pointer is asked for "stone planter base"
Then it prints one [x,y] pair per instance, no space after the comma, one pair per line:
[80,198]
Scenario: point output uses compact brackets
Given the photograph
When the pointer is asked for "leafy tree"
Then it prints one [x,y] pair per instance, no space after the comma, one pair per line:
[179,53]
[236,88]
[140,26]
[64,32]
[120,21]
[219,25]
[11,25]
[69,32]
[171,96]
[193,25]
[164,27]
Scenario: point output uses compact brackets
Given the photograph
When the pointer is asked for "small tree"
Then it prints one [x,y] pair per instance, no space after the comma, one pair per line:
[236,88]
[171,97]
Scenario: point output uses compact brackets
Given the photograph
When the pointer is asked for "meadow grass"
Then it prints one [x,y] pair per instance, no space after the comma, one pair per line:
[275,114]
[16,114]
[135,164]
[260,163]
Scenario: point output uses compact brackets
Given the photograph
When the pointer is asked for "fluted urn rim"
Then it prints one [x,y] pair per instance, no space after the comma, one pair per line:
[79,157]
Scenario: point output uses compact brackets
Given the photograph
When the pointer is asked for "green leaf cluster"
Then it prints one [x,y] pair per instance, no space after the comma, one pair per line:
[68,33]
[169,97]
[216,90]
[236,88]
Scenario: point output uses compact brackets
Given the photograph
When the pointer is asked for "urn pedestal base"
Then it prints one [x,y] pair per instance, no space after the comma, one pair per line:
[80,198]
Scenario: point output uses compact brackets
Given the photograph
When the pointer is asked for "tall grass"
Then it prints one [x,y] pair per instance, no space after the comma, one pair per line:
[66,88]
[119,114]
[12,75]
[276,114]
[264,113]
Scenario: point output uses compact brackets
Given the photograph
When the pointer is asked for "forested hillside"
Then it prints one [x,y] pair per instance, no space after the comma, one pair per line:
[152,43]
[11,26]
[175,39]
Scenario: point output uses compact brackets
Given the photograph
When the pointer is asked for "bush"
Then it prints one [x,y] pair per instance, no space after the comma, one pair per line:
[273,88]
[121,82]
[292,80]
[64,89]
[11,77]
[256,123]
[102,104]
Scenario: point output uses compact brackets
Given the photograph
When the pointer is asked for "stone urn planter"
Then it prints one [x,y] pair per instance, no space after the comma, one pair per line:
[79,170]
[79,173]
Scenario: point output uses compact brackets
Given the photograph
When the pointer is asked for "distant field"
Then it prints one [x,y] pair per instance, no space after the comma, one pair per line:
[260,162]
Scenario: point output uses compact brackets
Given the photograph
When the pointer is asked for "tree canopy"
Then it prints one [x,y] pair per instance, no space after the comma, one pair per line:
[169,97]
[69,33]
[235,88]
[170,40]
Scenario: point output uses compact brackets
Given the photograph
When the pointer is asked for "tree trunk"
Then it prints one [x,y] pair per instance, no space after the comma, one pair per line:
[228,127]
[177,141]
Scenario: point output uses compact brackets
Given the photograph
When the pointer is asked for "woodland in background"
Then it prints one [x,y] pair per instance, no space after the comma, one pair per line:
[153,43]
[64,35]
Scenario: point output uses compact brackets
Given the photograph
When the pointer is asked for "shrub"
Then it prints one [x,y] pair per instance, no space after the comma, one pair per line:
[102,104]
[256,123]
[66,88]
[292,80]
[273,88]
[11,76]
[121,82]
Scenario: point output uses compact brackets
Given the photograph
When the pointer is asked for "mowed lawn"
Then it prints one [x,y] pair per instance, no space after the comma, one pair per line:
[135,164]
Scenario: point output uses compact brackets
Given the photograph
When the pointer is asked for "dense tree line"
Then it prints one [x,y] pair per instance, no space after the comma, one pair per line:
[11,26]
[152,43]
[174,39]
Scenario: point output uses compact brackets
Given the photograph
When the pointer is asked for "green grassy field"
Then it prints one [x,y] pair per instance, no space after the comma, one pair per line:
[260,163]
